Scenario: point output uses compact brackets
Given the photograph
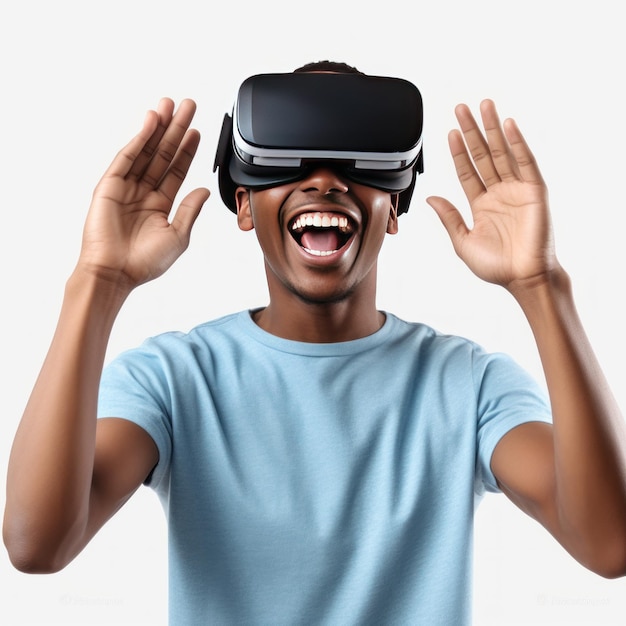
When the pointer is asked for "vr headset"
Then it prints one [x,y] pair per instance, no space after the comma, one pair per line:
[283,126]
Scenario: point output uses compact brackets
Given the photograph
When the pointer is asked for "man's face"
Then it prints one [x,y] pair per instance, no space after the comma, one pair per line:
[320,236]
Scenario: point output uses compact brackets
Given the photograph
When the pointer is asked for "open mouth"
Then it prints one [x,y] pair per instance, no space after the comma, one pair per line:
[321,233]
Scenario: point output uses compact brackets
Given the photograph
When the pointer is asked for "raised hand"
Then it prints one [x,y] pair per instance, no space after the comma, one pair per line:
[129,235]
[510,241]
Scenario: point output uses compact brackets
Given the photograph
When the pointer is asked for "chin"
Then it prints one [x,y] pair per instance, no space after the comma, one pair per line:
[320,296]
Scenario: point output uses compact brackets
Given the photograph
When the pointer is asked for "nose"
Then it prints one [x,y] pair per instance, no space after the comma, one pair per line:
[325,180]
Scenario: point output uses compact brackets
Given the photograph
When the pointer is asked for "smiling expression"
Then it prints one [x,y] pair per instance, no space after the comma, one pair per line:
[320,236]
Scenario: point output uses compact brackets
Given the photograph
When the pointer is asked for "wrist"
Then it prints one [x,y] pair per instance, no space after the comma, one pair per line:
[107,291]
[550,290]
[108,281]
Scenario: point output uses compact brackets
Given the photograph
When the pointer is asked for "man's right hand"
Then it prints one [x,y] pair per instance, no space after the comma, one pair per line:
[129,237]
[69,472]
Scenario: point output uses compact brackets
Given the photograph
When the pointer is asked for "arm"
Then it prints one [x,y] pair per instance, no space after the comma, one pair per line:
[68,472]
[570,477]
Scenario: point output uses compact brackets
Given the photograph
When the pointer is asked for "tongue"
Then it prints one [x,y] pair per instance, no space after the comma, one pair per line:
[327,240]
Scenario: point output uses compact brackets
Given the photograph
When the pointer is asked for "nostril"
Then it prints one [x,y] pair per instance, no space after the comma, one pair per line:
[326,192]
[324,180]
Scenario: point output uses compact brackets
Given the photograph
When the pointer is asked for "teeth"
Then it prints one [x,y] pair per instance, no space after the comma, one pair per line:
[322,220]
[319,252]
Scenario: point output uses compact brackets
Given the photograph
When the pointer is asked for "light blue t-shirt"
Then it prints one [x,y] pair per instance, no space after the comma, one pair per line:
[320,484]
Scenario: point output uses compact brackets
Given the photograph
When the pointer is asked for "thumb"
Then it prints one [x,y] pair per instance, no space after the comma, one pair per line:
[188,211]
[451,219]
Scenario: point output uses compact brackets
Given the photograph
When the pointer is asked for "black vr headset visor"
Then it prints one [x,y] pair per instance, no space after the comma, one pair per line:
[367,128]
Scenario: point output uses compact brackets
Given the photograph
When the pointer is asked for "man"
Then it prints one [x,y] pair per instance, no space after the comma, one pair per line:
[318,459]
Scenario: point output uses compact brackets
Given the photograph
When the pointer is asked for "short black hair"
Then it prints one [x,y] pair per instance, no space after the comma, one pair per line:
[328,66]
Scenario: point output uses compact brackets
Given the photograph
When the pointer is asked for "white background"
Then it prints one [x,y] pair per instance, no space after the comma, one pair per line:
[77,78]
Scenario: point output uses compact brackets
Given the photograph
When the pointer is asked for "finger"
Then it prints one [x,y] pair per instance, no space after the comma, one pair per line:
[168,145]
[177,170]
[451,219]
[128,155]
[477,145]
[188,212]
[501,155]
[164,112]
[469,178]
[524,158]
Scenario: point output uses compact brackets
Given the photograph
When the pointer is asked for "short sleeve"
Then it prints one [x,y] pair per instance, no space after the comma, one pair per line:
[507,396]
[134,387]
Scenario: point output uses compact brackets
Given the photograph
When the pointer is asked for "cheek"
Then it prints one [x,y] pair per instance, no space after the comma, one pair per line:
[265,204]
[379,216]
[265,218]
[376,229]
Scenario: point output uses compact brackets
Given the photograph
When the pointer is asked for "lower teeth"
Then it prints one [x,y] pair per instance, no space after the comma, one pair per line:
[320,252]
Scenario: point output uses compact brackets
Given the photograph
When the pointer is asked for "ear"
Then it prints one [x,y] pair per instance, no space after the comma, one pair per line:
[392,223]
[244,214]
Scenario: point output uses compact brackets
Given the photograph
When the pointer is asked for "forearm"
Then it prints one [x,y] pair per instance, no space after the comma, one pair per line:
[51,464]
[589,431]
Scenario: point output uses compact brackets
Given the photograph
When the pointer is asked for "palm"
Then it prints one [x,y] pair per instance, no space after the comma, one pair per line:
[510,233]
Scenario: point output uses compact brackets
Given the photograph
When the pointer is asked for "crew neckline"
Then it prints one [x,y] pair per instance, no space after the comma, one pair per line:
[341,348]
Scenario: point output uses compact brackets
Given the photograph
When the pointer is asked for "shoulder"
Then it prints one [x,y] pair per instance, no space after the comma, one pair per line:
[449,357]
[426,339]
[166,357]
[204,334]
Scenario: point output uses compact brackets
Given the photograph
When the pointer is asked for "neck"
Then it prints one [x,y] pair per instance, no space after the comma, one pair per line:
[320,323]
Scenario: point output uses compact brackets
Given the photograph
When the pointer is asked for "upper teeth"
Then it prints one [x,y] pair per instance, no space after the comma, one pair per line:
[321,220]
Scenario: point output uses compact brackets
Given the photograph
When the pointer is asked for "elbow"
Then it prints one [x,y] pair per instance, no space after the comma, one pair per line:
[611,568]
[30,555]
[33,565]
[610,571]
[608,561]
[32,561]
